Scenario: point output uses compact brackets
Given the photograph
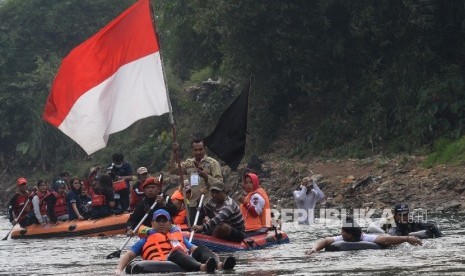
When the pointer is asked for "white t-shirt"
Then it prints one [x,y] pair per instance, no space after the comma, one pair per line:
[365,237]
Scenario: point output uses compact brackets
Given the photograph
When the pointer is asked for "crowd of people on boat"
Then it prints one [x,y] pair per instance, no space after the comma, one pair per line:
[202,203]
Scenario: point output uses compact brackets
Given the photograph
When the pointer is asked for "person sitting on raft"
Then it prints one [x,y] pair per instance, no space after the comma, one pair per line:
[19,205]
[165,242]
[404,226]
[255,207]
[103,200]
[42,203]
[351,232]
[177,199]
[152,189]
[58,197]
[77,204]
[221,216]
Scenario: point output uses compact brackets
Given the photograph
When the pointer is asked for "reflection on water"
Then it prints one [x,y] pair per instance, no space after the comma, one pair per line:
[86,256]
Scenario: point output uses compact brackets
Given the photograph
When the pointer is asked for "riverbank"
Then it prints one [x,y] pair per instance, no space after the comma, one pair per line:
[376,182]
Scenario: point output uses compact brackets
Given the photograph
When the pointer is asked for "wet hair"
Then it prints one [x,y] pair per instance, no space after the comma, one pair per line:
[350,226]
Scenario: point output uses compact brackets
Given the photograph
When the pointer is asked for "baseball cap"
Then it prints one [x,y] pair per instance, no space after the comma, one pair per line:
[401,209]
[142,170]
[217,185]
[161,212]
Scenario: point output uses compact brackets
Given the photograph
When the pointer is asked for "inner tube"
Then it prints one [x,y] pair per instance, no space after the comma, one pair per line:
[422,234]
[143,266]
[349,246]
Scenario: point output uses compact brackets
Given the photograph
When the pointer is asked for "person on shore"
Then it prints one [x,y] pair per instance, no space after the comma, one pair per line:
[201,170]
[406,226]
[255,207]
[103,200]
[121,169]
[221,216]
[152,189]
[165,242]
[20,202]
[137,193]
[351,232]
[76,203]
[306,197]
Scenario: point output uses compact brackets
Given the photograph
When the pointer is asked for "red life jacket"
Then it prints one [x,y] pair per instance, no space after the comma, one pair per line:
[135,198]
[60,205]
[158,245]
[19,205]
[98,200]
[42,203]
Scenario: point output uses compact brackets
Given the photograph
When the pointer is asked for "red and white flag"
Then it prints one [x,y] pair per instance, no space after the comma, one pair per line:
[109,81]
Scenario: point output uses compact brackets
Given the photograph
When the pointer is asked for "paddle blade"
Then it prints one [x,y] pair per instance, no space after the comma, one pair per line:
[115,254]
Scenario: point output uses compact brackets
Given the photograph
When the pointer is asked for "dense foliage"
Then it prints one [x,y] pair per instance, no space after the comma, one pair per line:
[354,77]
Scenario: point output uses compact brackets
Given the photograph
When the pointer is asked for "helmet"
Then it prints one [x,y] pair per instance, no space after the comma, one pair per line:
[21,181]
[142,170]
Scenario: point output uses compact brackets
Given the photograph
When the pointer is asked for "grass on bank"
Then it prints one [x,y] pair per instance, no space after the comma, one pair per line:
[447,152]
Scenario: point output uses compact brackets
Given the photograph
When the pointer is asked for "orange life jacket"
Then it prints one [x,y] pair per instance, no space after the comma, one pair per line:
[158,245]
[98,200]
[262,220]
[60,205]
[180,218]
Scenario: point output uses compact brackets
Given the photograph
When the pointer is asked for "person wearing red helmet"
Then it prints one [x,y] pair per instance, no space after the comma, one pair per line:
[152,189]
[18,202]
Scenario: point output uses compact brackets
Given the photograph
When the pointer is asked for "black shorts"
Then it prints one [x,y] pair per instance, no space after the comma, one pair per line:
[236,235]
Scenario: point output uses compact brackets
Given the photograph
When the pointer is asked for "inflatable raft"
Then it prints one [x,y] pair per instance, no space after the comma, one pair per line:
[251,243]
[112,225]
[140,267]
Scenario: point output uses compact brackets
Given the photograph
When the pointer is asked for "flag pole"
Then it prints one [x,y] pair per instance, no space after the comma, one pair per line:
[171,119]
[248,133]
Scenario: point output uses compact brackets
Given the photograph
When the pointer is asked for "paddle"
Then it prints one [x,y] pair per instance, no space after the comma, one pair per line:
[197,216]
[20,213]
[117,253]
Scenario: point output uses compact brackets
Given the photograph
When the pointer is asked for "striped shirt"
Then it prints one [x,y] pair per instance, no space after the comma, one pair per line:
[228,213]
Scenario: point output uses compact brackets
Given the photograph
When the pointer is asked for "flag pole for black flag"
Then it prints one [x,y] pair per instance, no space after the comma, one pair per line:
[248,133]
[171,120]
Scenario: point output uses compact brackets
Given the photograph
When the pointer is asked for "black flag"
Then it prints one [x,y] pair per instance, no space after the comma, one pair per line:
[227,141]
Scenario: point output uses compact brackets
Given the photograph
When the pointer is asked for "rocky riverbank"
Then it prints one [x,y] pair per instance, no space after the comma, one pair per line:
[376,182]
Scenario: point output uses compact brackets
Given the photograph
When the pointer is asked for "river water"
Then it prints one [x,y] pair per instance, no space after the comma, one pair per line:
[86,256]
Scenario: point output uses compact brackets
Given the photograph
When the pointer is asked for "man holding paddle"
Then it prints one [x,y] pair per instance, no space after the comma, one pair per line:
[152,188]
[19,205]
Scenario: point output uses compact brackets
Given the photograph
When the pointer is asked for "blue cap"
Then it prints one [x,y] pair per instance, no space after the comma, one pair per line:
[161,212]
